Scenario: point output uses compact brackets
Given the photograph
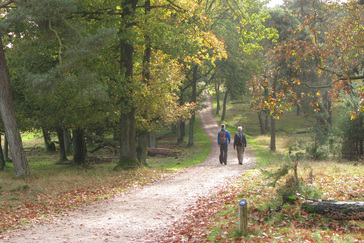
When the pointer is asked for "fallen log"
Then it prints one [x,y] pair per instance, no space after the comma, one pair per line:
[162,152]
[335,209]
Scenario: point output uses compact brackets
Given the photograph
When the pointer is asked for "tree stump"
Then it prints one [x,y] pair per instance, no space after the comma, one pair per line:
[336,210]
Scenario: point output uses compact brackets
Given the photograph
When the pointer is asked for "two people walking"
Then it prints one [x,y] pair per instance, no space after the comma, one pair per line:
[223,140]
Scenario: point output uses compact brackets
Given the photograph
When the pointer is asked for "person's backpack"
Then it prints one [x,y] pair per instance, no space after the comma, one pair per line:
[222,137]
[239,141]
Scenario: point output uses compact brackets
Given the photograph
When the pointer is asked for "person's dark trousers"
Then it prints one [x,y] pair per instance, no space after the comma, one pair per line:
[223,153]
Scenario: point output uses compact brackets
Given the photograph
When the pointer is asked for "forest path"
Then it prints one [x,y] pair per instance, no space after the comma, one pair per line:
[143,213]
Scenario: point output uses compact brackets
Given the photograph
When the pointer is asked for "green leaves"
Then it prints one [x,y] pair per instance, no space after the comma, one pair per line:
[252,28]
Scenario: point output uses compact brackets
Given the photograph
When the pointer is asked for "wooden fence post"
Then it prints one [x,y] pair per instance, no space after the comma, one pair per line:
[243,216]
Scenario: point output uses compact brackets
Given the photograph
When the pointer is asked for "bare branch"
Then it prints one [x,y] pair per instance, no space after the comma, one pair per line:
[318,87]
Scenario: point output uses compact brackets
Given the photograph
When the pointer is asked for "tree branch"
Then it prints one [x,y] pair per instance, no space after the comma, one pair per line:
[59,40]
[341,76]
[176,6]
[6,3]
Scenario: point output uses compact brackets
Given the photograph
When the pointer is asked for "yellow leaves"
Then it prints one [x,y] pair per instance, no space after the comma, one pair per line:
[157,99]
[353,115]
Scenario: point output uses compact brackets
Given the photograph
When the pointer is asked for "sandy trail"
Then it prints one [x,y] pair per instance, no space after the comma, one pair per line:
[147,211]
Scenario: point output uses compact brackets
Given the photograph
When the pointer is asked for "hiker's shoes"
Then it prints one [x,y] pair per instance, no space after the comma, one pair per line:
[240,163]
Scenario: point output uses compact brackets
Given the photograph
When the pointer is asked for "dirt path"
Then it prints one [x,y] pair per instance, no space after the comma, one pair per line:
[147,211]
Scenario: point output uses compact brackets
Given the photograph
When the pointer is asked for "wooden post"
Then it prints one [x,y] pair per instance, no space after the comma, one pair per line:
[243,216]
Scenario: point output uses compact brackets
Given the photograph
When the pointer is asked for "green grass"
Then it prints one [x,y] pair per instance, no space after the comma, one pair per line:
[189,155]
[238,112]
[31,136]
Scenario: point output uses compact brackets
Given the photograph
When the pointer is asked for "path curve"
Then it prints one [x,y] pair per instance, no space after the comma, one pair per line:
[148,211]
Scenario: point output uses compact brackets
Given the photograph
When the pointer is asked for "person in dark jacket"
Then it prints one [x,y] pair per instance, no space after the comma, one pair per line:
[223,140]
[240,144]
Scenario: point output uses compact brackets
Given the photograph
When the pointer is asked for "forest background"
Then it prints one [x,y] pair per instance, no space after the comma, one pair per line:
[112,76]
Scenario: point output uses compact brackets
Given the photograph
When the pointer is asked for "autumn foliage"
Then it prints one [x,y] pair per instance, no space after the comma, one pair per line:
[332,48]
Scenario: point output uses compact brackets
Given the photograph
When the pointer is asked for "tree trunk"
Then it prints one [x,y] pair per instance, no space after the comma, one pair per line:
[2,159]
[142,148]
[183,128]
[192,121]
[266,112]
[62,148]
[224,106]
[217,91]
[6,149]
[128,154]
[79,147]
[21,166]
[152,139]
[261,123]
[336,210]
[266,118]
[174,129]
[48,146]
[272,133]
[327,105]
[179,132]
[299,96]
[67,141]
[143,135]
[193,100]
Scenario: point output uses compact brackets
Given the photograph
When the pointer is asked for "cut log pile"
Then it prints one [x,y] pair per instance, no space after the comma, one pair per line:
[162,152]
[335,209]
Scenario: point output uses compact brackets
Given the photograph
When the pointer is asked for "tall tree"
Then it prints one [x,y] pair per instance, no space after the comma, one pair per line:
[12,132]
[55,65]
[161,26]
[128,155]
[266,85]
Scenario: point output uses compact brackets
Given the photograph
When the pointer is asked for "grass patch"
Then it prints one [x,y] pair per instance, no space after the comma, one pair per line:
[189,155]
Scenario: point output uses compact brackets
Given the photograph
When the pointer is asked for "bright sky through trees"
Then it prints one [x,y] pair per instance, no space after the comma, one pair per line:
[273,3]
